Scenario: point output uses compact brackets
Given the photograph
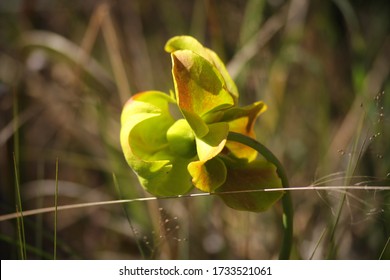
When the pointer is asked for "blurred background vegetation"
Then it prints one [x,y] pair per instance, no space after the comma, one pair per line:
[67,66]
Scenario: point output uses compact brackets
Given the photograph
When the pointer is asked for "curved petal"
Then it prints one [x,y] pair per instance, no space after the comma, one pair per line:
[209,172]
[212,144]
[245,182]
[145,121]
[242,120]
[200,88]
[172,179]
[181,139]
[207,176]
[148,136]
[146,102]
[189,43]
[231,86]
[179,43]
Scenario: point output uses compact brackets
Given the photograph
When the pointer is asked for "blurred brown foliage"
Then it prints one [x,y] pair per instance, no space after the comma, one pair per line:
[66,68]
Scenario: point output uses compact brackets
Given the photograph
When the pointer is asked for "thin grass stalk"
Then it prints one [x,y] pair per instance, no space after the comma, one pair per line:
[29,248]
[89,39]
[33,212]
[39,218]
[16,128]
[19,208]
[19,223]
[128,217]
[114,52]
[318,243]
[384,248]
[19,211]
[259,40]
[352,163]
[55,213]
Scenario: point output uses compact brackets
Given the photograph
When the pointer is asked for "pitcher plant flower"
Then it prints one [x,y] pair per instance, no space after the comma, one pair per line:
[175,142]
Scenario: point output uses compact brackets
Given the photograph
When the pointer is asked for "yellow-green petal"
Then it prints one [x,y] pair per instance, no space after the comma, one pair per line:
[181,139]
[170,180]
[189,43]
[231,86]
[179,43]
[145,121]
[213,143]
[245,182]
[207,176]
[242,120]
[200,88]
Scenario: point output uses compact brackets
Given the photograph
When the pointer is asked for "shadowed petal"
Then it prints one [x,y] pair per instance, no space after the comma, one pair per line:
[256,176]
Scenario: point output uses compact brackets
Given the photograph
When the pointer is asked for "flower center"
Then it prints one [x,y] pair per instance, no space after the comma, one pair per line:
[181,139]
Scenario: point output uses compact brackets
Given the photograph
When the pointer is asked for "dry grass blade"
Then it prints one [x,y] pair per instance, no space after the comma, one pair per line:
[114,52]
[7,132]
[251,48]
[341,189]
[69,51]
[384,248]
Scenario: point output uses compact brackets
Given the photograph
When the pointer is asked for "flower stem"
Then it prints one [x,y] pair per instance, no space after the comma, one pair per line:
[288,214]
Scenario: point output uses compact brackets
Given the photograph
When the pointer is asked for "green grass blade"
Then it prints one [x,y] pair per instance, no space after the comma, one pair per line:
[55,212]
[19,209]
[128,217]
[31,249]
[352,164]
[384,248]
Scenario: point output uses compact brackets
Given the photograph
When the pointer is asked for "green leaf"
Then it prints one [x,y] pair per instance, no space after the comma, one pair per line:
[252,177]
